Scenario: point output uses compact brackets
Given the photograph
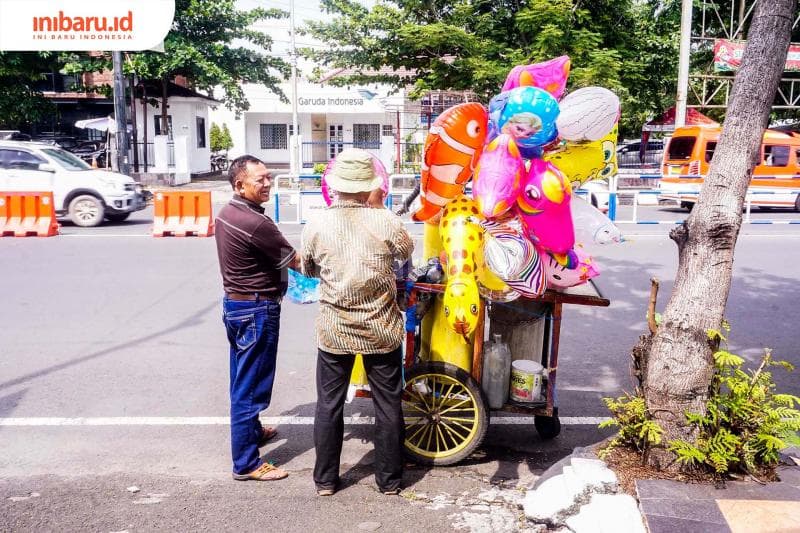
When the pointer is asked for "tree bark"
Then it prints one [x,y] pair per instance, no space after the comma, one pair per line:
[164,111]
[678,370]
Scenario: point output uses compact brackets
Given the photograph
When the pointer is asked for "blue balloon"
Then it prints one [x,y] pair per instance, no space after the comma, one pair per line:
[496,105]
[531,152]
[529,115]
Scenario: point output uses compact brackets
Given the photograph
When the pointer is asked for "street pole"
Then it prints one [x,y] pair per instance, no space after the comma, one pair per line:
[134,130]
[683,63]
[119,115]
[294,153]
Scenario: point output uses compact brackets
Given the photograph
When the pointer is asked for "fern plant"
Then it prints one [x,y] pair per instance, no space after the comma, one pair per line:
[636,429]
[745,419]
[742,430]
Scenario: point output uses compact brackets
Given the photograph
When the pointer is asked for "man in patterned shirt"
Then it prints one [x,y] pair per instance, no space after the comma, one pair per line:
[351,247]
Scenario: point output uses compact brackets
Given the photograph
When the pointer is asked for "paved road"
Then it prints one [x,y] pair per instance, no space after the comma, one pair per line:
[119,335]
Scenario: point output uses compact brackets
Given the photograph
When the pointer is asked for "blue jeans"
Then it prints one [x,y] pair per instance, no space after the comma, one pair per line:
[252,328]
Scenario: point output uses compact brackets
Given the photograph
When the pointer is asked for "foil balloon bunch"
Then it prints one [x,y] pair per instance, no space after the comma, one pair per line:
[525,154]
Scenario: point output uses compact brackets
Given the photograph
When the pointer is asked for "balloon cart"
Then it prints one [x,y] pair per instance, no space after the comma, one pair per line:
[515,241]
[446,412]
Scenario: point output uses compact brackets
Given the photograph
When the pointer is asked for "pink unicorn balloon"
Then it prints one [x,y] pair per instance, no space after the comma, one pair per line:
[543,205]
[497,177]
[561,276]
[380,170]
[550,75]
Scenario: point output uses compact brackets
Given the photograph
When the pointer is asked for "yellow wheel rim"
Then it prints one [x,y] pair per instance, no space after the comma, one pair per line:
[441,415]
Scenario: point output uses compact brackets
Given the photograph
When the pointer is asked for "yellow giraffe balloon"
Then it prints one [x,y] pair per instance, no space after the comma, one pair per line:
[462,240]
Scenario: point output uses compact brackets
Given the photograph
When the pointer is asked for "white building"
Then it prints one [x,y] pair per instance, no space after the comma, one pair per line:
[329,120]
[187,148]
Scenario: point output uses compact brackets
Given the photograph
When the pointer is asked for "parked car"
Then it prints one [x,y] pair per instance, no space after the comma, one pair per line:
[14,135]
[66,142]
[629,155]
[85,194]
[92,151]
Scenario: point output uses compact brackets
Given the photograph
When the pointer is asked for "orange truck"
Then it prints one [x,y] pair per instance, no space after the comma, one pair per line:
[775,181]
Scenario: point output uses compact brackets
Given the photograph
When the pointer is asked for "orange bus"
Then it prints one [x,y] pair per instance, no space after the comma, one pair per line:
[775,181]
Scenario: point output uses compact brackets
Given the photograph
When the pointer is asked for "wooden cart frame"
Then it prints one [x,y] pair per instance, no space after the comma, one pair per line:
[445,412]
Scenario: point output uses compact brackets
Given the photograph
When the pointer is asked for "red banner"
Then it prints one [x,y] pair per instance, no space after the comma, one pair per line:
[728,56]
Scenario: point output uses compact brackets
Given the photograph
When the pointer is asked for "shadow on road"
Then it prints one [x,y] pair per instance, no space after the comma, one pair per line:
[187,322]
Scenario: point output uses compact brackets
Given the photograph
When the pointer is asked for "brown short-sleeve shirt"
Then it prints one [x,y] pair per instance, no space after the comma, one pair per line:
[253,254]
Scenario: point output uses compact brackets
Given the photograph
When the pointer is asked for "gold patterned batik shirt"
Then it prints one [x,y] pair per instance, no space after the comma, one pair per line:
[351,248]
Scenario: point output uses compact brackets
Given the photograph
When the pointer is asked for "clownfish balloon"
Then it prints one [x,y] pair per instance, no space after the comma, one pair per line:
[452,149]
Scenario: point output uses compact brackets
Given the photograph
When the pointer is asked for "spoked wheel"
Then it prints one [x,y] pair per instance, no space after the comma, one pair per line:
[445,415]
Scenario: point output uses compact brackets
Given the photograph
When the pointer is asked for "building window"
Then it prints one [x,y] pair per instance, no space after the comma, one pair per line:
[366,135]
[291,129]
[387,130]
[157,123]
[273,136]
[201,132]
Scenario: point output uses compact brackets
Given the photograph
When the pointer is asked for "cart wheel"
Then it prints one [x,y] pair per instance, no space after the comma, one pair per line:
[445,415]
[548,427]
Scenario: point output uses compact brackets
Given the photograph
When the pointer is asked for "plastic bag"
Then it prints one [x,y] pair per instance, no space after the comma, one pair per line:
[302,290]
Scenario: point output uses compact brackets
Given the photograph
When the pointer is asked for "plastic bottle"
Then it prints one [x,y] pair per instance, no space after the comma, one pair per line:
[496,372]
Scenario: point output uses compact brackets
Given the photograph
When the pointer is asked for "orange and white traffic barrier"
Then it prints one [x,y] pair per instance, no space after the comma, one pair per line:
[27,214]
[183,214]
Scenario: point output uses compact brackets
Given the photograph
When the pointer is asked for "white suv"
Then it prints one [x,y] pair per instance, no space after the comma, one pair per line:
[86,194]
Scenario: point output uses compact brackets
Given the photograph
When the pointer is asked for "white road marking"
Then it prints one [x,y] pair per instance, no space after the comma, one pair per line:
[107,235]
[633,236]
[224,421]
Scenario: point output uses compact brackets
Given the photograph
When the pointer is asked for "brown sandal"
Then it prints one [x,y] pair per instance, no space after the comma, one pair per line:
[267,435]
[265,472]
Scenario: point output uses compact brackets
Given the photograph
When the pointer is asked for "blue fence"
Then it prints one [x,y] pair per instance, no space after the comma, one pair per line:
[308,191]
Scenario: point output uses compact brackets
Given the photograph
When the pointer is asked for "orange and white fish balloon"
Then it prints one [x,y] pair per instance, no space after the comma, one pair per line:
[451,152]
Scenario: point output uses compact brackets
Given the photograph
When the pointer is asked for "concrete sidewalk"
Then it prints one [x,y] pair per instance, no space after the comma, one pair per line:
[580,493]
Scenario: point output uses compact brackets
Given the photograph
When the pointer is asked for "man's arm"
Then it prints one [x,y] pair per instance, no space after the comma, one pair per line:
[306,257]
[274,246]
[295,264]
[401,245]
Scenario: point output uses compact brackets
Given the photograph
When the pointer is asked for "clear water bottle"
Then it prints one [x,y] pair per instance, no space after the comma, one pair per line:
[496,372]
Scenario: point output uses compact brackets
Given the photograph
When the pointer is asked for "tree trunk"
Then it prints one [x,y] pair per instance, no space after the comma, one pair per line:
[679,367]
[164,113]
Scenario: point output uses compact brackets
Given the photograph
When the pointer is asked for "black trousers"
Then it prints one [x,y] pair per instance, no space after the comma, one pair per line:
[385,376]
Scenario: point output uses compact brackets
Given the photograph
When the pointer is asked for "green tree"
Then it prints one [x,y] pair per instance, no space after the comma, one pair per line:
[21,103]
[220,138]
[628,46]
[212,44]
[679,363]
[227,141]
[215,136]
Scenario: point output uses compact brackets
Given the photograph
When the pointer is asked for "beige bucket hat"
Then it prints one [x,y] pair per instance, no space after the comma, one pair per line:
[352,172]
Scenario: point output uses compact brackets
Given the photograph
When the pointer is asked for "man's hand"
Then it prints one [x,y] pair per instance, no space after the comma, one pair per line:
[295,264]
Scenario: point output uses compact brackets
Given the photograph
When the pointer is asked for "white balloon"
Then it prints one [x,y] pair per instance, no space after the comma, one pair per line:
[587,114]
[591,225]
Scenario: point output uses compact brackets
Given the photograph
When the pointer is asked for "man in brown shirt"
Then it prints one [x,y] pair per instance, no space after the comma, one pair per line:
[351,247]
[253,258]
